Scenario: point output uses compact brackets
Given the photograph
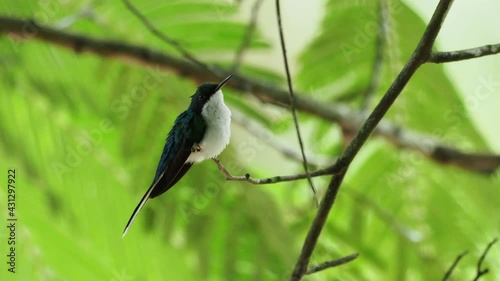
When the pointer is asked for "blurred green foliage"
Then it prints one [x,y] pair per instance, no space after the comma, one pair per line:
[84,137]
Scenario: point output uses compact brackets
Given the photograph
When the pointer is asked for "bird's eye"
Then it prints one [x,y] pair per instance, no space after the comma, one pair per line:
[200,97]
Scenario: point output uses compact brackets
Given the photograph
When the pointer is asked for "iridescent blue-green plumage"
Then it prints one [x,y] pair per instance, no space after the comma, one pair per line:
[185,141]
[189,129]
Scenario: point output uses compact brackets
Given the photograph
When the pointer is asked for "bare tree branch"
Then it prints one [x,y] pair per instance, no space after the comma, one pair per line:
[271,180]
[293,101]
[442,57]
[419,56]
[480,270]
[333,263]
[162,36]
[25,29]
[453,265]
[248,36]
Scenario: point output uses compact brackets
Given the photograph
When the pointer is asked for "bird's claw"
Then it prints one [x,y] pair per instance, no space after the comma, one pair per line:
[196,148]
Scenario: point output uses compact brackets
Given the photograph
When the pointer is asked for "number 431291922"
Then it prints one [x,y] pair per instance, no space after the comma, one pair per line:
[11,200]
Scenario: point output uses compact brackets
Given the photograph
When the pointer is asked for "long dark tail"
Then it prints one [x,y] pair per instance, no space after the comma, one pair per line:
[138,208]
[141,204]
[153,191]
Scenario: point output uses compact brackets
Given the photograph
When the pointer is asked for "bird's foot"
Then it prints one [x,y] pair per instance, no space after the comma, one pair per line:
[196,148]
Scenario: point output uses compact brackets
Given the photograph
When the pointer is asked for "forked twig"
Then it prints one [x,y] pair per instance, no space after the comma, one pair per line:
[329,264]
[453,265]
[480,270]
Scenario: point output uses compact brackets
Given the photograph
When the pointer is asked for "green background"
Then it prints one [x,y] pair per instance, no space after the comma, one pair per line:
[85,140]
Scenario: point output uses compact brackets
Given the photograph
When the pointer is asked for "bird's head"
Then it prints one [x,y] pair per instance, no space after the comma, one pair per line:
[204,94]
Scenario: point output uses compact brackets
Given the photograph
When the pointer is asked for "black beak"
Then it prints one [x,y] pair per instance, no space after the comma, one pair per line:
[221,84]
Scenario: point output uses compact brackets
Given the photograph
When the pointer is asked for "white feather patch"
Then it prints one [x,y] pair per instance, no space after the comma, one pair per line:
[218,118]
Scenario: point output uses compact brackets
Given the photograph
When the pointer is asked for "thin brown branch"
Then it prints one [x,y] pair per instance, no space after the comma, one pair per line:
[248,36]
[272,180]
[293,102]
[442,57]
[480,271]
[453,265]
[162,36]
[25,29]
[333,263]
[419,56]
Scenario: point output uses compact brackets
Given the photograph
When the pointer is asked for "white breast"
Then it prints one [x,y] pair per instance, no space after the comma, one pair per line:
[218,118]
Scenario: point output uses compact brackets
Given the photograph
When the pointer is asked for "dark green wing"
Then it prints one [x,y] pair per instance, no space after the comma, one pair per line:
[189,128]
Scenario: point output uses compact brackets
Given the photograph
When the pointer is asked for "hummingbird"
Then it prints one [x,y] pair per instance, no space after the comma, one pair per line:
[199,133]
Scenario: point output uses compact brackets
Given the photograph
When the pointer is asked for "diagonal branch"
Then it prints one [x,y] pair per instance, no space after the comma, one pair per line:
[293,101]
[453,265]
[480,270]
[162,36]
[419,56]
[442,57]
[25,29]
